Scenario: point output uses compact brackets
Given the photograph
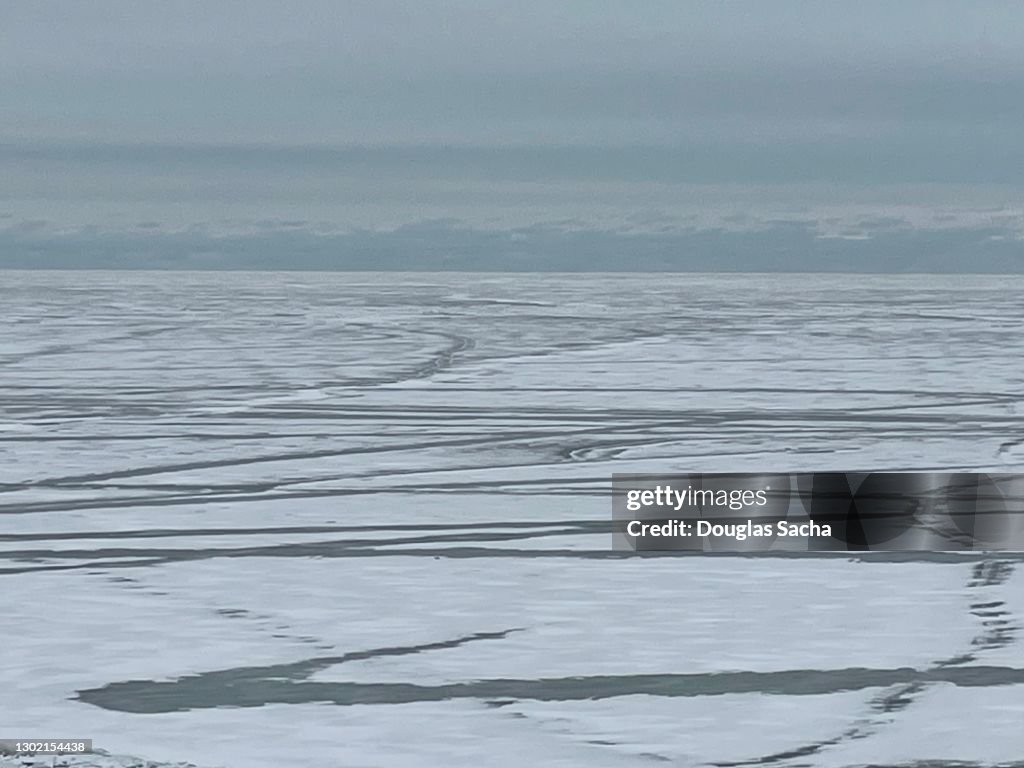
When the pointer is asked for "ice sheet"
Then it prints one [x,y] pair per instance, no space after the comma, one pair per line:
[362,520]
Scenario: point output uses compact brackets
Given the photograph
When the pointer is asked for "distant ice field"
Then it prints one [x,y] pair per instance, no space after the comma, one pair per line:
[254,520]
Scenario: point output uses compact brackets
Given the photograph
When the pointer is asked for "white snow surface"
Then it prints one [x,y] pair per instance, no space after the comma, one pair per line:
[252,521]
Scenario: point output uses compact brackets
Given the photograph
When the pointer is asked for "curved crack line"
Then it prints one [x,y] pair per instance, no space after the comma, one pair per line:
[205,685]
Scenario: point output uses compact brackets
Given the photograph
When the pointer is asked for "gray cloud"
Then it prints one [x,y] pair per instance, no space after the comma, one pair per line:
[375,116]
[535,72]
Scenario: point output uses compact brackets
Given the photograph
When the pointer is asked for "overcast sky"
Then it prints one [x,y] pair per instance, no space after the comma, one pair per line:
[147,119]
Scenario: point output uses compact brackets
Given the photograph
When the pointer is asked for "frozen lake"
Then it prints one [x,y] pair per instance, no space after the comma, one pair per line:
[277,519]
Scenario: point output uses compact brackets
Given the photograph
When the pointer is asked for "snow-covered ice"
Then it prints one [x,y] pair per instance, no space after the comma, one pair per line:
[363,519]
